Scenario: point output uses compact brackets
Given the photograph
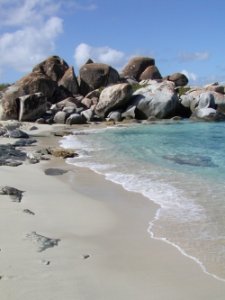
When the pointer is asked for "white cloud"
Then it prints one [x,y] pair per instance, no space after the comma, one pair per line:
[26,12]
[105,55]
[22,49]
[36,29]
[191,76]
[29,30]
[193,56]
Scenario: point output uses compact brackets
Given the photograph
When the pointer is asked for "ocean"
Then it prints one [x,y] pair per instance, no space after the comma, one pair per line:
[178,165]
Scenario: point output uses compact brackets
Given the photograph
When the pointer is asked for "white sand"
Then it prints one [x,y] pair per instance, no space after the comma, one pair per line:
[90,216]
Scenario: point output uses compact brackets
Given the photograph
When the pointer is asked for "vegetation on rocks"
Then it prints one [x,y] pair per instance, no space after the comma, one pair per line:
[3,86]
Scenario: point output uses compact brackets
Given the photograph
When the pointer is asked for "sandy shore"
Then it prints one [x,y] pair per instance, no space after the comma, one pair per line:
[104,251]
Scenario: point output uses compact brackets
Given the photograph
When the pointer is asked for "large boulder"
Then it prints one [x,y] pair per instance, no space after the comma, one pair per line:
[60,117]
[178,78]
[206,108]
[31,106]
[150,72]
[136,66]
[52,78]
[192,97]
[94,76]
[29,85]
[76,119]
[206,100]
[113,97]
[69,81]
[35,82]
[54,67]
[157,99]
[215,87]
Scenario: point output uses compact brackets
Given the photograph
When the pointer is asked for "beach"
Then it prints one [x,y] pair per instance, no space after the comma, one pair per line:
[101,248]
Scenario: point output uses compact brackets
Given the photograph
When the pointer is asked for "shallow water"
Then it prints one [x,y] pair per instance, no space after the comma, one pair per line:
[179,166]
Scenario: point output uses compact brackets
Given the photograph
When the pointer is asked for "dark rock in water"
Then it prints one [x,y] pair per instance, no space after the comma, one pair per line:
[18,134]
[55,171]
[14,193]
[29,212]
[24,142]
[191,160]
[42,241]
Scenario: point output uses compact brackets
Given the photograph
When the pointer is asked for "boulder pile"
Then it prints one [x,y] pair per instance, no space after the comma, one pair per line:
[52,93]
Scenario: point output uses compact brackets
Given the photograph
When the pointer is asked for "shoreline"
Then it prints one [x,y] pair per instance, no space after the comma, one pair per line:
[104,250]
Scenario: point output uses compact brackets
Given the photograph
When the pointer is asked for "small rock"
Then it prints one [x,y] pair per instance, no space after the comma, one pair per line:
[40,121]
[46,262]
[17,133]
[14,193]
[33,128]
[24,142]
[10,163]
[55,171]
[64,153]
[42,241]
[27,211]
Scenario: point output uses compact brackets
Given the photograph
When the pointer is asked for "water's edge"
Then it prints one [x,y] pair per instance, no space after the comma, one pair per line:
[151,222]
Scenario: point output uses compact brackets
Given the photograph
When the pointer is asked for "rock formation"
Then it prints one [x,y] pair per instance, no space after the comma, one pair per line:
[136,66]
[94,76]
[52,93]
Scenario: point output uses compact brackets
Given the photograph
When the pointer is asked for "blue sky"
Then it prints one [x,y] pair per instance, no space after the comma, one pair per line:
[182,36]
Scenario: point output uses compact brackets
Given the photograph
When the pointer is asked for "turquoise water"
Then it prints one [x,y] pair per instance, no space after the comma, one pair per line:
[179,166]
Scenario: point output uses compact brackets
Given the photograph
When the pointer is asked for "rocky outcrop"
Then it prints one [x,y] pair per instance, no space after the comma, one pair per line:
[69,81]
[54,67]
[150,72]
[113,97]
[206,108]
[136,66]
[157,99]
[27,86]
[31,106]
[191,98]
[179,79]
[50,81]
[50,94]
[94,76]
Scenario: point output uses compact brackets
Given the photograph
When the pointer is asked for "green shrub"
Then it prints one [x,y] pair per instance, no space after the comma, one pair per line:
[3,86]
[183,90]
